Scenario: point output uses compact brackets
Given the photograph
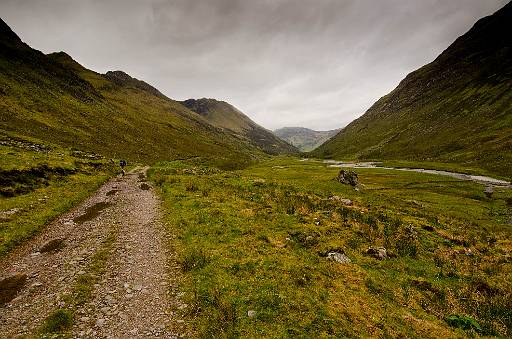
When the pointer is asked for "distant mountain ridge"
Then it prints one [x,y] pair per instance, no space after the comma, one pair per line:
[231,119]
[456,109]
[304,139]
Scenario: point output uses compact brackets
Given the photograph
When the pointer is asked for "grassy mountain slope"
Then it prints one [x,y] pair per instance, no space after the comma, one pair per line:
[456,109]
[53,98]
[304,139]
[225,116]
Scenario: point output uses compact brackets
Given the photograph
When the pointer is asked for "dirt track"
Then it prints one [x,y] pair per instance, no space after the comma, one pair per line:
[116,238]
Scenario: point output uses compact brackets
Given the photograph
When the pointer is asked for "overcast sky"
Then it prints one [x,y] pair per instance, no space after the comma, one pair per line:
[311,63]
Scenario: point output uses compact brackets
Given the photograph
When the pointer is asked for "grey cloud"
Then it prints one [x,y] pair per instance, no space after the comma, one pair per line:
[312,63]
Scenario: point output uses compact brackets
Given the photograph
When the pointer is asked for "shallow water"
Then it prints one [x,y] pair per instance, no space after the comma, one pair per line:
[476,178]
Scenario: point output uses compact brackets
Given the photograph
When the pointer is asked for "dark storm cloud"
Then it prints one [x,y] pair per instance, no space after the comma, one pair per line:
[312,63]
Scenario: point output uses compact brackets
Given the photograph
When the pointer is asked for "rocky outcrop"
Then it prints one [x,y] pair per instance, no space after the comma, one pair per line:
[347,177]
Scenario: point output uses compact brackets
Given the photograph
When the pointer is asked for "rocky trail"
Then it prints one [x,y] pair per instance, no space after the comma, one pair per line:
[108,261]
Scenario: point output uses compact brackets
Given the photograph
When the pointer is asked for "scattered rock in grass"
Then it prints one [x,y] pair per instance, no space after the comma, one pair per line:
[145,187]
[347,177]
[100,322]
[10,286]
[5,215]
[344,201]
[251,313]
[377,252]
[468,252]
[53,245]
[338,257]
[317,222]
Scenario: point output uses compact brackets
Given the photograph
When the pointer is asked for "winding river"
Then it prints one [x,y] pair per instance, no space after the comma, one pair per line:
[476,178]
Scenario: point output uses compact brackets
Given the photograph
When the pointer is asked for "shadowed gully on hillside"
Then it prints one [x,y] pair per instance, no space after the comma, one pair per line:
[456,109]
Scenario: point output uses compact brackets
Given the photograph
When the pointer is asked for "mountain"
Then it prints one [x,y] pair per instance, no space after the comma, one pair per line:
[229,118]
[304,139]
[52,98]
[456,109]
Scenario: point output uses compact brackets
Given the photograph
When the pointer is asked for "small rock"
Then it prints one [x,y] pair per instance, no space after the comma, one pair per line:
[105,309]
[377,252]
[338,257]
[84,319]
[35,254]
[100,322]
[251,313]
[344,201]
[126,285]
[36,284]
[81,272]
[137,287]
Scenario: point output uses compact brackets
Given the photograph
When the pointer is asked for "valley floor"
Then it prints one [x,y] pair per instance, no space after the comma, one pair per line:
[278,249]
[104,269]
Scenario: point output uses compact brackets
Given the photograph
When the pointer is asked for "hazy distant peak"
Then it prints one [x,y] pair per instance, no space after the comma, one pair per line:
[303,138]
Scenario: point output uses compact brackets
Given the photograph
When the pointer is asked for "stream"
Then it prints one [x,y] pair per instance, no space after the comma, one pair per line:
[461,176]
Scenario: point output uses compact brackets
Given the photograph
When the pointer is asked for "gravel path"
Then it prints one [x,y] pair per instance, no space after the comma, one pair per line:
[134,292]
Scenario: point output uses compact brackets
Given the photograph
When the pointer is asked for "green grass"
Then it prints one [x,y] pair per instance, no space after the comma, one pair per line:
[45,185]
[59,321]
[256,240]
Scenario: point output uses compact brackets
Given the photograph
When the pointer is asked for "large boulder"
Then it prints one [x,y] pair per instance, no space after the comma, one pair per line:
[347,177]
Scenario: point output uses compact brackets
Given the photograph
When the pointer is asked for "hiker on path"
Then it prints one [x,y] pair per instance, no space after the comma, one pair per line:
[122,164]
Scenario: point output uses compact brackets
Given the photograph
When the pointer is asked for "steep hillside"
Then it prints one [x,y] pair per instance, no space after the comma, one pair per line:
[456,109]
[225,116]
[54,99]
[304,139]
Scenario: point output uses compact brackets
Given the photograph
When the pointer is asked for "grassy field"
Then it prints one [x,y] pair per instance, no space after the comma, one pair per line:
[253,245]
[38,183]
